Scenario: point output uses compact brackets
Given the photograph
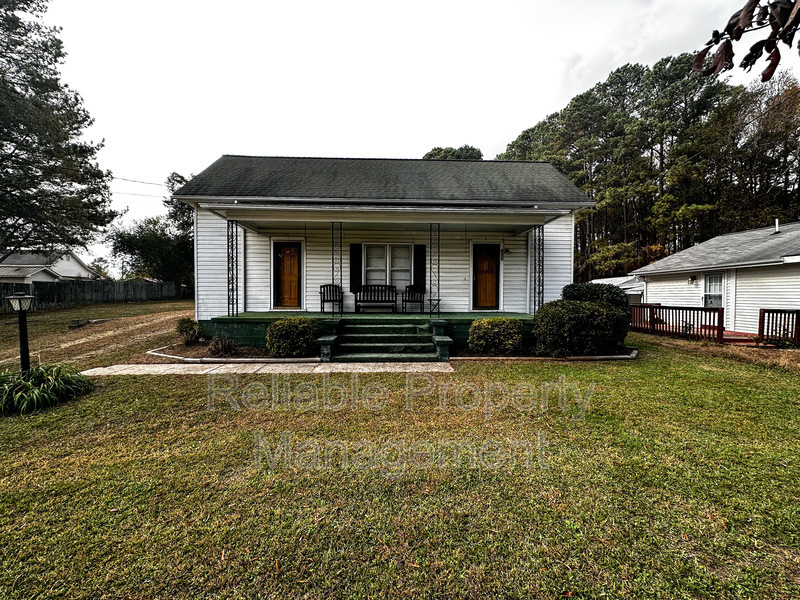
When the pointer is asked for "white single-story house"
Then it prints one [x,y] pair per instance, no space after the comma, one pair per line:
[632,286]
[28,266]
[477,237]
[741,272]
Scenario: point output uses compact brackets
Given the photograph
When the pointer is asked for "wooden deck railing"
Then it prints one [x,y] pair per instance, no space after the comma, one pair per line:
[777,325]
[685,322]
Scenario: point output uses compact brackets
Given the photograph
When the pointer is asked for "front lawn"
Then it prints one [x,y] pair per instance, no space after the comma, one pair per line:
[679,479]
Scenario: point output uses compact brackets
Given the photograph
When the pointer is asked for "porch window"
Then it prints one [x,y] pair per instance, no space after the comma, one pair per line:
[713,295]
[388,264]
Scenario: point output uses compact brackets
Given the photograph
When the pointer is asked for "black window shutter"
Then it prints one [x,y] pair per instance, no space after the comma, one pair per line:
[419,266]
[355,268]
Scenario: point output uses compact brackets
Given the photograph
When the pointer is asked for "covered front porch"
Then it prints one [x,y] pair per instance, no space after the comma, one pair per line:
[463,263]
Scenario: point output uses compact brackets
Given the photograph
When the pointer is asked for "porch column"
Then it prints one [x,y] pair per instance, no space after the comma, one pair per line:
[233,268]
[434,270]
[536,264]
[336,253]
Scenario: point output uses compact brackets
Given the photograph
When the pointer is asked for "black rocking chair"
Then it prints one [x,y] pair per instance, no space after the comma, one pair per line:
[414,295]
[331,293]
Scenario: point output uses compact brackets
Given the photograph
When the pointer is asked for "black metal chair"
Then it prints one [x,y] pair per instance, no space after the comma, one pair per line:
[414,295]
[331,293]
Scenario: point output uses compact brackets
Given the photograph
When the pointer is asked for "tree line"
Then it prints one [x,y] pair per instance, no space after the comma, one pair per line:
[672,159]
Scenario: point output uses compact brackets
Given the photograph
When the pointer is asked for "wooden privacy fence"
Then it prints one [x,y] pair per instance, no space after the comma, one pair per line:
[777,325]
[66,294]
[679,321]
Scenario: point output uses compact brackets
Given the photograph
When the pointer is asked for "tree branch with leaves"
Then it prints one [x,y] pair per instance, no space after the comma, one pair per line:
[780,17]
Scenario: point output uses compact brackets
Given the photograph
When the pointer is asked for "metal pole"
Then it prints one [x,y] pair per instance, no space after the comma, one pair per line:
[24,353]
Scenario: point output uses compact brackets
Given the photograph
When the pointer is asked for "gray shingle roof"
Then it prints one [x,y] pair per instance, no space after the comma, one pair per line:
[753,247]
[384,181]
[20,271]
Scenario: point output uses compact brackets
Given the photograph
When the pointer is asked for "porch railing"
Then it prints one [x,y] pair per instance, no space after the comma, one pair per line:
[684,322]
[777,325]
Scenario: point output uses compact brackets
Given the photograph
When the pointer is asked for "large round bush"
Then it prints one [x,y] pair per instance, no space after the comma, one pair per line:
[293,338]
[569,328]
[498,336]
[596,292]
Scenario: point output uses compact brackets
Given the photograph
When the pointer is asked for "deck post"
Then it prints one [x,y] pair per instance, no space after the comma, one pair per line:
[761,314]
[233,268]
[651,316]
[797,327]
[720,325]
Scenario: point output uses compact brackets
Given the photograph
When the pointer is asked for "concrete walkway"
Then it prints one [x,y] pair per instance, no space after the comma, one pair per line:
[265,369]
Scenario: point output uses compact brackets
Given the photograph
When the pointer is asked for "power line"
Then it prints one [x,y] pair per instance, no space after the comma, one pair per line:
[131,194]
[139,181]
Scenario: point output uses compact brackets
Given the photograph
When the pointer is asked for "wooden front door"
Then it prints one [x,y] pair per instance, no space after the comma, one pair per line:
[486,276]
[287,274]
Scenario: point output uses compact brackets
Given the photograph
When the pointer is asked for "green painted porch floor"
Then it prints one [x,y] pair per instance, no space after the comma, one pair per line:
[251,317]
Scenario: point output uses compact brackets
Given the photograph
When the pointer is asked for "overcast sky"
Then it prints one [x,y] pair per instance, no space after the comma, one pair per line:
[174,84]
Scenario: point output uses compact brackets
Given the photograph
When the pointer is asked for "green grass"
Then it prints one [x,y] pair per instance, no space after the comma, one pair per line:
[680,481]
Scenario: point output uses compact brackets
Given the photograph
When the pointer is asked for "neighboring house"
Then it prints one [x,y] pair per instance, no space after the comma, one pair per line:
[27,267]
[482,236]
[632,286]
[740,272]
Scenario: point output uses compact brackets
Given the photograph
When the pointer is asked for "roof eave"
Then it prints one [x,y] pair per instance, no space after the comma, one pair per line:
[770,263]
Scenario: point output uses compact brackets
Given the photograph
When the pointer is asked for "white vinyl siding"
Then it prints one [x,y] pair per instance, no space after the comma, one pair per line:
[766,287]
[559,252]
[211,272]
[674,290]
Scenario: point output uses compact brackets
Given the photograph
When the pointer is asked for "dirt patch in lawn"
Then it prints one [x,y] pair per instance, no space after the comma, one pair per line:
[772,357]
[96,340]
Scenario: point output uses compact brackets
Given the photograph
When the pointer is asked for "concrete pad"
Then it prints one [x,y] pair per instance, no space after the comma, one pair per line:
[235,368]
[392,367]
[150,369]
[286,368]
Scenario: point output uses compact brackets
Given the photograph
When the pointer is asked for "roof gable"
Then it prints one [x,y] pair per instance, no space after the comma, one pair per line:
[383,181]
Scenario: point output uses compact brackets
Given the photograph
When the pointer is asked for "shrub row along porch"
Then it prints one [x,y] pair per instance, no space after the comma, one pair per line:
[384,336]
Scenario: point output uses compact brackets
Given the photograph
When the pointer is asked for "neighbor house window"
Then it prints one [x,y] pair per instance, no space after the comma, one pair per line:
[388,264]
[713,295]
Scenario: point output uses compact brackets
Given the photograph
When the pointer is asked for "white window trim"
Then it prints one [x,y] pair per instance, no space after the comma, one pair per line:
[387,259]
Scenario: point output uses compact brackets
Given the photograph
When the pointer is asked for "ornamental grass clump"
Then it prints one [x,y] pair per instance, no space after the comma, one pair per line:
[498,336]
[190,330]
[41,387]
[293,338]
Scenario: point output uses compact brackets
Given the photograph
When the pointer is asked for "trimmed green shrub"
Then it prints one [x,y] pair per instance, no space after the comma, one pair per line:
[596,292]
[569,328]
[498,336]
[41,387]
[189,330]
[293,338]
[221,346]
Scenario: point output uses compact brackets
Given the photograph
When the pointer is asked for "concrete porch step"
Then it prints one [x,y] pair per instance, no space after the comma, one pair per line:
[380,357]
[375,338]
[391,328]
[386,348]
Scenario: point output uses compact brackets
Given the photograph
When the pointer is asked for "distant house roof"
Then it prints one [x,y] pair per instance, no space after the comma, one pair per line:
[383,181]
[29,258]
[756,247]
[23,272]
[627,283]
